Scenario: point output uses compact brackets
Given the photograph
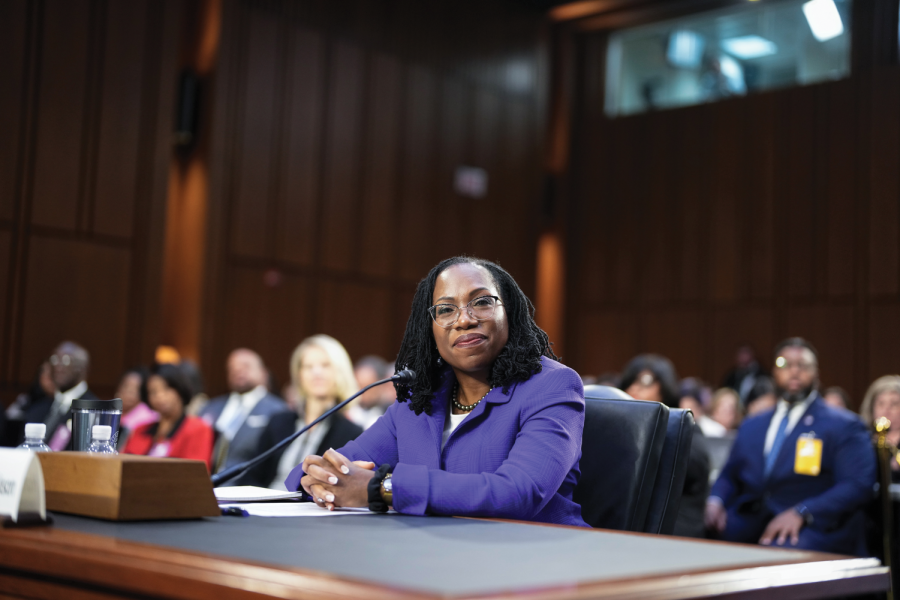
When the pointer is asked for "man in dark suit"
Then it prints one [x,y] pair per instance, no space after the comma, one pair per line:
[67,381]
[800,473]
[239,418]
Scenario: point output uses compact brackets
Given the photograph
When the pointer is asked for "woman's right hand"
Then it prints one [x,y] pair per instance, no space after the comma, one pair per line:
[321,474]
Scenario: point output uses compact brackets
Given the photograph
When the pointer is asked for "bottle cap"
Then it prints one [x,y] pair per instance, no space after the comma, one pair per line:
[101,432]
[35,430]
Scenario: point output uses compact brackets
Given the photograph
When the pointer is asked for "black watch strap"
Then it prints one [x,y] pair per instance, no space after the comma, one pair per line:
[376,502]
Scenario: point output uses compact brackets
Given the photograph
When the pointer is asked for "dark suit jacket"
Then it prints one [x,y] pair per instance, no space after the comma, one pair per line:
[245,444]
[340,431]
[37,411]
[696,490]
[835,497]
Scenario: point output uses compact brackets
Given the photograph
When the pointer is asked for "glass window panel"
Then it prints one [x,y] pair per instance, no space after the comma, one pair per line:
[725,53]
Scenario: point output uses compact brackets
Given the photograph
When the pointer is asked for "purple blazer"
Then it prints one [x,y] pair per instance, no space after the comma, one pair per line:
[514,457]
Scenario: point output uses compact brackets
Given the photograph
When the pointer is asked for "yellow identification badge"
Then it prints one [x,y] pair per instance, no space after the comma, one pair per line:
[808,459]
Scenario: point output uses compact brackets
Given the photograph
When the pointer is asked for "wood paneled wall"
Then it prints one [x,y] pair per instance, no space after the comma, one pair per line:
[337,127]
[85,119]
[752,219]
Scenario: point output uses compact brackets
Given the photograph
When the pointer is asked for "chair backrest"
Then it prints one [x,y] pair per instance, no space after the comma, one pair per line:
[672,471]
[620,452]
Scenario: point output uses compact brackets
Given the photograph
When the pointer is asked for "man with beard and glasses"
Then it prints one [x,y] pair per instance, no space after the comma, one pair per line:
[798,475]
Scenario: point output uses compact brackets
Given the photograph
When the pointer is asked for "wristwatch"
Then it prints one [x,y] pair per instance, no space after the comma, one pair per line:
[387,489]
[804,512]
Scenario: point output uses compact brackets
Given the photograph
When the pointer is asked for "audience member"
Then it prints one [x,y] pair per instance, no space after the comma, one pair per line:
[761,397]
[799,474]
[240,417]
[29,407]
[746,370]
[69,366]
[323,376]
[725,409]
[695,396]
[652,377]
[882,399]
[366,409]
[132,391]
[199,399]
[176,434]
[837,397]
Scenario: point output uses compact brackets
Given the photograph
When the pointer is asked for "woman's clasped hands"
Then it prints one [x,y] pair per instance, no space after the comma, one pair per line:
[335,481]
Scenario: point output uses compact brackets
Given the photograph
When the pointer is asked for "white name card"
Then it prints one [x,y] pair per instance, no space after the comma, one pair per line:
[21,484]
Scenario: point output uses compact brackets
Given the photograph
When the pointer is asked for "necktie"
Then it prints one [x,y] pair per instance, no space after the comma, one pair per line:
[776,445]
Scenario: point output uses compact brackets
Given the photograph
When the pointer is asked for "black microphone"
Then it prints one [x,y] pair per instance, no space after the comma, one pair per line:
[404,377]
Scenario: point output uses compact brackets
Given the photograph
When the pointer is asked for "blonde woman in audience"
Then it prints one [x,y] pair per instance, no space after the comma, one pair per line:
[322,376]
[725,409]
[883,400]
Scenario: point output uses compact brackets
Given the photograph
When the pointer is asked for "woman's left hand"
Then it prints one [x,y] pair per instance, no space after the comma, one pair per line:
[351,489]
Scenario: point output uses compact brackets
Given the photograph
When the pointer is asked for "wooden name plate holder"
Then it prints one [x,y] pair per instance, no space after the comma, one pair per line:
[126,487]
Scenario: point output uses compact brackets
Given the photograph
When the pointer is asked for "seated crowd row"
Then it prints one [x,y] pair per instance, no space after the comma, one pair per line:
[166,414]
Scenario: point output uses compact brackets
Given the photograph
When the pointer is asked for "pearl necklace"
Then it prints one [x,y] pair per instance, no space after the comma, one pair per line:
[463,407]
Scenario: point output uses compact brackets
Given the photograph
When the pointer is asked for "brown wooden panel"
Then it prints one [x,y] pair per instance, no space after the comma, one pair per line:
[798,194]
[5,284]
[346,309]
[759,204]
[378,232]
[884,352]
[119,115]
[627,197]
[301,167]
[727,185]
[693,195]
[655,239]
[270,319]
[340,216]
[840,191]
[521,183]
[605,342]
[77,291]
[258,131]
[733,326]
[884,185]
[417,213]
[485,153]
[12,69]
[61,113]
[830,329]
[678,334]
[452,232]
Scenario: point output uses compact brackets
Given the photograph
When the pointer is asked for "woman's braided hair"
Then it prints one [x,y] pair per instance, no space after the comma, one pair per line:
[517,361]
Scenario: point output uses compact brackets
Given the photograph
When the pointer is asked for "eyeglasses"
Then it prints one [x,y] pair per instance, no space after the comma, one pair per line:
[480,309]
[782,363]
[65,360]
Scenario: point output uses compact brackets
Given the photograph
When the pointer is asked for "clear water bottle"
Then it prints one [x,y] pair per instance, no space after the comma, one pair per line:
[34,438]
[100,443]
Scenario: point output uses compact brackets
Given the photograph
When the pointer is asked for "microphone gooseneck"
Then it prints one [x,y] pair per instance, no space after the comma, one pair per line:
[404,377]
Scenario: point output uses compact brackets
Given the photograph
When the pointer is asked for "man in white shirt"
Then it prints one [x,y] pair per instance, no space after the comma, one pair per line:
[241,416]
[69,366]
[800,473]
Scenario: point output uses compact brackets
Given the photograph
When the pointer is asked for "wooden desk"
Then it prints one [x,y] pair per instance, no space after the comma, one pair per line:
[402,557]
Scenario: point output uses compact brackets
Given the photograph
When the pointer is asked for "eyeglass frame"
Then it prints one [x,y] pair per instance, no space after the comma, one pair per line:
[468,308]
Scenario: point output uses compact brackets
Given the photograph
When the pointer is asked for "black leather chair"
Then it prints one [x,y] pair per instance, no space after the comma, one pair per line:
[670,476]
[620,454]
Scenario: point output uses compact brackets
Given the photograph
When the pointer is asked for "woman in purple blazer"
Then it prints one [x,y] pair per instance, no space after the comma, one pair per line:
[491,426]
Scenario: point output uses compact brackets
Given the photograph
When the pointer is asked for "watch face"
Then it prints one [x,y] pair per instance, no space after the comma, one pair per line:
[388,485]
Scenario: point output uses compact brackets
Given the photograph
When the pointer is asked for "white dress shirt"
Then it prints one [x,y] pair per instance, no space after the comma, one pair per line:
[236,410]
[63,400]
[793,417]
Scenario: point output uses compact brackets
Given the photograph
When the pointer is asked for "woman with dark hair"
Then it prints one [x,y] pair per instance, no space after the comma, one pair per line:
[491,426]
[652,377]
[175,435]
